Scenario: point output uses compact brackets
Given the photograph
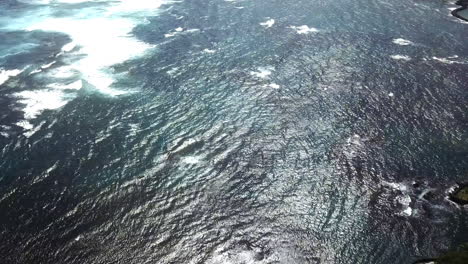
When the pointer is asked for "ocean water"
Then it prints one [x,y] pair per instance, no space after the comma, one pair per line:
[231,131]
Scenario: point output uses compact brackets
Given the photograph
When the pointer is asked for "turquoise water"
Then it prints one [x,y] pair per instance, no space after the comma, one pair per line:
[231,131]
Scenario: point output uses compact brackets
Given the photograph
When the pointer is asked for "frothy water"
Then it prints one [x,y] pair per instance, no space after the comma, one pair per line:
[268,24]
[6,74]
[304,29]
[401,57]
[402,42]
[101,36]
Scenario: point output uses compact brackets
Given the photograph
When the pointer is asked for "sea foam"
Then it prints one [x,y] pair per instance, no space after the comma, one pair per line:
[101,37]
[268,24]
[304,29]
[402,42]
[6,74]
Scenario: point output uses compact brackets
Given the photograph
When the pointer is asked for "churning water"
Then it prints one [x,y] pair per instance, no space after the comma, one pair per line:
[236,131]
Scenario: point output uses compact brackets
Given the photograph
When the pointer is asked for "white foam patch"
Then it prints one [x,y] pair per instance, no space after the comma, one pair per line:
[72,86]
[192,30]
[448,60]
[69,47]
[170,35]
[173,71]
[4,131]
[33,130]
[402,42]
[268,24]
[39,100]
[304,29]
[400,57]
[209,51]
[274,86]
[408,211]
[397,186]
[25,125]
[262,72]
[103,41]
[354,140]
[191,160]
[405,201]
[103,35]
[46,66]
[7,74]
[63,72]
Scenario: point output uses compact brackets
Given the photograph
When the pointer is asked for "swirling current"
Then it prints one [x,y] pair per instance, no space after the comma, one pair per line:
[231,131]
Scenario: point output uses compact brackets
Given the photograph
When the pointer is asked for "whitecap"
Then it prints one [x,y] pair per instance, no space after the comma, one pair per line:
[64,72]
[408,211]
[72,86]
[6,74]
[447,60]
[405,201]
[103,35]
[400,57]
[4,131]
[191,160]
[263,72]
[69,47]
[274,86]
[209,51]
[192,30]
[25,125]
[32,130]
[39,100]
[397,186]
[354,140]
[304,29]
[172,71]
[268,24]
[46,66]
[170,35]
[402,42]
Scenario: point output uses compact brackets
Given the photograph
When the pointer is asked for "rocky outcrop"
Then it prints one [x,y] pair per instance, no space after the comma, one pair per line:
[460,195]
[462,12]
[459,256]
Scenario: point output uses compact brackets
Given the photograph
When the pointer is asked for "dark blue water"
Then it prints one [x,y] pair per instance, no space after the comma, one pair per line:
[210,131]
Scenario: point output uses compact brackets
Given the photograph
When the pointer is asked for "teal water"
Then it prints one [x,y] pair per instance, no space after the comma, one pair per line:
[231,131]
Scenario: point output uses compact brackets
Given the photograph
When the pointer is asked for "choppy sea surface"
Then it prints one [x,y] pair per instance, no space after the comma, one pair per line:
[236,131]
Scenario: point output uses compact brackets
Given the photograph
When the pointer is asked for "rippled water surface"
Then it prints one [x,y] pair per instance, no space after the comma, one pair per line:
[240,131]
